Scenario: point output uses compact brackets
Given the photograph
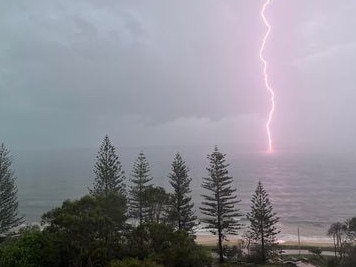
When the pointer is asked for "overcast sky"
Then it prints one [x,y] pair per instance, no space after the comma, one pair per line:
[184,72]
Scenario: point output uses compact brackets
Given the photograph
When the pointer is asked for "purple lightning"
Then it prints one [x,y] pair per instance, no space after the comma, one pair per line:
[268,87]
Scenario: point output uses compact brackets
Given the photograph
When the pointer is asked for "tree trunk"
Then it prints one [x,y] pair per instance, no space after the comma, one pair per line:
[335,246]
[263,248]
[221,254]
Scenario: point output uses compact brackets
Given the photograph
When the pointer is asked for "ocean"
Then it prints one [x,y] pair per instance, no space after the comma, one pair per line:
[308,191]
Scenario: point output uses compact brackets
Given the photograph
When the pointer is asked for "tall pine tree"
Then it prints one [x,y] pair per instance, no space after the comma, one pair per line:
[263,220]
[181,213]
[9,217]
[140,177]
[219,205]
[109,175]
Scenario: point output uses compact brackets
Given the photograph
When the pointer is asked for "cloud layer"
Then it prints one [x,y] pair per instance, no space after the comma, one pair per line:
[183,72]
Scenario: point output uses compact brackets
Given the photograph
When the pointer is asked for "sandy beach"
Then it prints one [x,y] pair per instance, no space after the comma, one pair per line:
[309,243]
[211,240]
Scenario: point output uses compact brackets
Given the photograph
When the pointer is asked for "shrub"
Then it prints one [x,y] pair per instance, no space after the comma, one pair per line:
[167,246]
[23,250]
[131,262]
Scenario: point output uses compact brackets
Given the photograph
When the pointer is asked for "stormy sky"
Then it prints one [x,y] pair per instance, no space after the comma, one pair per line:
[181,72]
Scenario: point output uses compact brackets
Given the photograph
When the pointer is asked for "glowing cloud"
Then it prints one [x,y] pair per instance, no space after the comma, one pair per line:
[268,87]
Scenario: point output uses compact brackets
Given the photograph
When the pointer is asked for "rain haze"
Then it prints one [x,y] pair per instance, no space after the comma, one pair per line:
[177,73]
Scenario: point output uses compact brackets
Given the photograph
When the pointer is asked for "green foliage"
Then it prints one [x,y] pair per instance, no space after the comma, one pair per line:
[350,259]
[184,252]
[339,233]
[88,231]
[23,250]
[148,239]
[157,201]
[233,253]
[91,232]
[351,228]
[165,245]
[352,224]
[262,228]
[109,176]
[332,263]
[344,236]
[140,177]
[181,212]
[219,206]
[9,217]
[316,251]
[131,262]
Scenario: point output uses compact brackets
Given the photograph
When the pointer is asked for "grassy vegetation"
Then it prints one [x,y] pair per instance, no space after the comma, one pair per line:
[319,261]
[247,265]
[305,247]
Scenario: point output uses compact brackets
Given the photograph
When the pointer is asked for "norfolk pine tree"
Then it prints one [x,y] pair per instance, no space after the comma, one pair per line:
[109,176]
[109,187]
[8,194]
[219,205]
[140,177]
[181,213]
[263,222]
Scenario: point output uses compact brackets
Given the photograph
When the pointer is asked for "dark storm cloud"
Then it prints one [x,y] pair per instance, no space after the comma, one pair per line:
[152,72]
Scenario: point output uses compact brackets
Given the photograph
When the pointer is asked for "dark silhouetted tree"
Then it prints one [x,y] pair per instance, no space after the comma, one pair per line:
[263,220]
[140,177]
[338,231]
[109,176]
[88,231]
[9,217]
[219,205]
[344,237]
[181,212]
[157,201]
[351,228]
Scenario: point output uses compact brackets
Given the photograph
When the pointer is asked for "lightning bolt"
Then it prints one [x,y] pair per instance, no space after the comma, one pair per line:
[265,74]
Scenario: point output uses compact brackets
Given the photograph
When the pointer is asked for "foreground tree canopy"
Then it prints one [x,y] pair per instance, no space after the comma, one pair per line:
[92,231]
[88,231]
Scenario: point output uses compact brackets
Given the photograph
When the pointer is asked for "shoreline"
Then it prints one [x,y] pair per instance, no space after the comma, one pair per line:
[211,240]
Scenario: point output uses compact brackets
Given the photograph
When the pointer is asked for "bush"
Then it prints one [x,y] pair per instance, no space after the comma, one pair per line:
[167,246]
[350,259]
[23,250]
[332,262]
[130,262]
[316,251]
[255,254]
[85,232]
[233,253]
